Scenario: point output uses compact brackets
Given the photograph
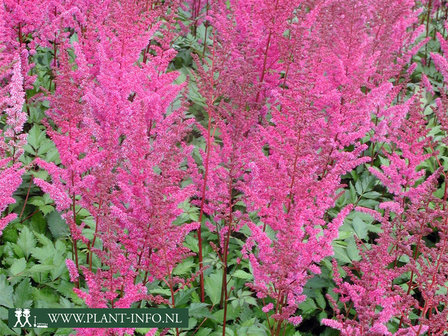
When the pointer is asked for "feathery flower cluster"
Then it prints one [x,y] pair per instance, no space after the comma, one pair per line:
[122,153]
[318,112]
[12,138]
[400,281]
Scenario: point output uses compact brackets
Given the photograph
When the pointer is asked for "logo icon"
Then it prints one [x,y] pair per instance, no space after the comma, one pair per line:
[19,313]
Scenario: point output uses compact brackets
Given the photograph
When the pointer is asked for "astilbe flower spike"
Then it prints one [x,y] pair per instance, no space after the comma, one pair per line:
[313,113]
[401,272]
[318,111]
[29,24]
[122,155]
[21,24]
[235,82]
[12,138]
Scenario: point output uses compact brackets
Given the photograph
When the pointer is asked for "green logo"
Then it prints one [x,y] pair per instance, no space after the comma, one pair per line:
[98,318]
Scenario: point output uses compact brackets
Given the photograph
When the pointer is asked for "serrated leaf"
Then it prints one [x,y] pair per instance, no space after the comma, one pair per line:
[308,306]
[36,200]
[212,286]
[199,310]
[372,195]
[45,297]
[255,330]
[240,274]
[22,294]
[320,300]
[43,240]
[204,332]
[45,147]
[4,329]
[40,268]
[184,267]
[368,203]
[5,292]
[57,225]
[58,268]
[42,174]
[35,137]
[38,222]
[352,249]
[46,209]
[161,291]
[18,266]
[17,250]
[191,243]
[3,313]
[52,156]
[193,214]
[358,187]
[352,193]
[184,296]
[26,241]
[65,288]
[360,227]
[341,255]
[44,254]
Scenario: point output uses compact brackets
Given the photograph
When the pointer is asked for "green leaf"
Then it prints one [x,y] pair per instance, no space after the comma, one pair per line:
[36,200]
[3,313]
[58,268]
[43,240]
[308,307]
[360,227]
[40,268]
[43,203]
[193,214]
[184,267]
[4,329]
[240,274]
[372,195]
[352,249]
[26,241]
[38,222]
[199,310]
[320,299]
[204,332]
[57,225]
[341,255]
[44,254]
[184,296]
[192,322]
[358,187]
[352,193]
[47,146]
[35,137]
[46,209]
[10,234]
[22,294]
[45,297]
[18,266]
[52,156]
[212,285]
[5,292]
[191,243]
[254,330]
[368,203]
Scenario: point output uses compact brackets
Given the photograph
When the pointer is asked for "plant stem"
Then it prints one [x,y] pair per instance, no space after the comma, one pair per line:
[204,186]
[225,256]
[75,241]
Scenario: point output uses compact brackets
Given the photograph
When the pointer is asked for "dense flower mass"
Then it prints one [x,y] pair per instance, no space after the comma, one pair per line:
[277,166]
